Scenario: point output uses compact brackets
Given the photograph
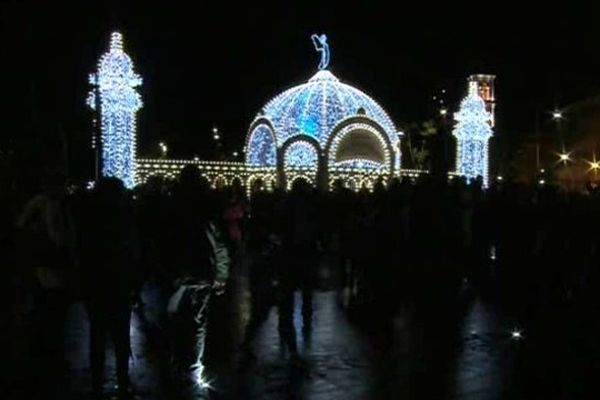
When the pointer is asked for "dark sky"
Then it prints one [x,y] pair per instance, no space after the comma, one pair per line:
[219,62]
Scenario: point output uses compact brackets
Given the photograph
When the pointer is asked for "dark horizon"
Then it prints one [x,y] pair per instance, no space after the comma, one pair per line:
[219,67]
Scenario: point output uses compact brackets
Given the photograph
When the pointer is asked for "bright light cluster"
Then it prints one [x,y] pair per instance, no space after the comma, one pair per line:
[360,163]
[316,107]
[353,128]
[472,132]
[301,154]
[261,148]
[115,83]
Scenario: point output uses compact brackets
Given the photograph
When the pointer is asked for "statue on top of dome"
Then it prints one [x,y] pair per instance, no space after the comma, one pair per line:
[320,42]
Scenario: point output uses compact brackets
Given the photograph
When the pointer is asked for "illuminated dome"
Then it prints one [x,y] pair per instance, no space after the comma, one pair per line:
[315,107]
[311,109]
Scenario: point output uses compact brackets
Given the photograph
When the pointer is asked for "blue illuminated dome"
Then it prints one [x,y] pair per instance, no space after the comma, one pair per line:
[313,109]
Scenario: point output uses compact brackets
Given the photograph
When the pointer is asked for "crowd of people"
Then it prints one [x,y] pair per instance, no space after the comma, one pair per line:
[413,244]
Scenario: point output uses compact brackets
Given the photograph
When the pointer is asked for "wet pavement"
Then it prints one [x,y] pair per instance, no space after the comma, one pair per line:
[469,357]
[466,351]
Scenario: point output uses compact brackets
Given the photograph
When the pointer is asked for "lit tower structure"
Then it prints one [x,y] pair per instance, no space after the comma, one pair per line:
[472,132]
[485,89]
[115,97]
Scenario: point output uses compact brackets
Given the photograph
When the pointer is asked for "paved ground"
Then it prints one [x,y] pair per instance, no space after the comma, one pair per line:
[444,352]
[467,356]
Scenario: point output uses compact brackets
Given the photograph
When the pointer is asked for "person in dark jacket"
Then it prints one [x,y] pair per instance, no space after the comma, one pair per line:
[300,234]
[109,260]
[264,249]
[201,264]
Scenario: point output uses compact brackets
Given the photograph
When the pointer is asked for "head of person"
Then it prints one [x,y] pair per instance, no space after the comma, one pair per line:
[110,190]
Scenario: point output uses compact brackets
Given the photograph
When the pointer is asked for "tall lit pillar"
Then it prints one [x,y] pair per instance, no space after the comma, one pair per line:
[472,132]
[115,97]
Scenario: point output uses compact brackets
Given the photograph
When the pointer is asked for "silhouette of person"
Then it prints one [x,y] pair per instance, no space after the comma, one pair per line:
[109,255]
[264,247]
[49,236]
[300,241]
[201,263]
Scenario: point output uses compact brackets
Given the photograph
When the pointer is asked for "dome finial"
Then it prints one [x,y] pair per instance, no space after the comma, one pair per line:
[320,42]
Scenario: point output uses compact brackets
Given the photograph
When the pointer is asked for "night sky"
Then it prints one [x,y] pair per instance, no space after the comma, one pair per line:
[217,64]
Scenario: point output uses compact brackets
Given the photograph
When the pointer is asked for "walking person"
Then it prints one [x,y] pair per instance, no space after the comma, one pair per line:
[201,265]
[300,247]
[263,247]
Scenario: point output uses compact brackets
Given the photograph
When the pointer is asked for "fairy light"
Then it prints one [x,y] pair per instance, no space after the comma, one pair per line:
[261,148]
[472,132]
[301,154]
[320,108]
[115,83]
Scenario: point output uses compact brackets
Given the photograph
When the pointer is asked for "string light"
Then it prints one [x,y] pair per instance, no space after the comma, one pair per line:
[115,83]
[472,133]
[301,154]
[316,107]
[320,42]
[261,148]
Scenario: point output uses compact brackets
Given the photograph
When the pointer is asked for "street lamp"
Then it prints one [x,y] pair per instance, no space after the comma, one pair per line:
[216,134]
[564,157]
[594,164]
[557,115]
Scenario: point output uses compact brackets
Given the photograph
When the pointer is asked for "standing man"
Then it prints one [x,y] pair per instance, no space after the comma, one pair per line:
[110,257]
[201,266]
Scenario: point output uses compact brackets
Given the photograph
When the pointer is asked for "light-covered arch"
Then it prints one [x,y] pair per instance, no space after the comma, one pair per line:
[301,153]
[219,182]
[301,142]
[252,178]
[261,144]
[366,183]
[360,142]
[294,177]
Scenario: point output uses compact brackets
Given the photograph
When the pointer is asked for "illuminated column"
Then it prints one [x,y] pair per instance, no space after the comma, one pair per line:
[472,132]
[116,98]
[485,89]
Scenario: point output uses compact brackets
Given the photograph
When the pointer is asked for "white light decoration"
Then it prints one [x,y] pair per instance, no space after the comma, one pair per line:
[115,92]
[261,149]
[301,154]
[361,164]
[472,133]
[355,162]
[320,42]
[316,107]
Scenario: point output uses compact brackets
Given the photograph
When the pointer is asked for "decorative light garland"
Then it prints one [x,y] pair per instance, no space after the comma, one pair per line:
[301,154]
[261,149]
[472,132]
[115,83]
[353,128]
[314,109]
